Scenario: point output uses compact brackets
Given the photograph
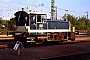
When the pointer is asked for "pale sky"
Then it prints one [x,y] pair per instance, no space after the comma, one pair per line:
[74,7]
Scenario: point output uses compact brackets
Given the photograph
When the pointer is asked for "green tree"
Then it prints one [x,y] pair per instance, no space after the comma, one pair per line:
[80,23]
[11,24]
[72,19]
[88,24]
[0,22]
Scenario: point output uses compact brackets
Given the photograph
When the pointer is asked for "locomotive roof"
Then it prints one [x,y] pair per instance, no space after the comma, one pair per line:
[23,12]
[56,21]
[26,13]
[39,13]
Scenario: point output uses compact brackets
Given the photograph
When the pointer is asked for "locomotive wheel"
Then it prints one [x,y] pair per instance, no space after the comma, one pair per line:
[72,39]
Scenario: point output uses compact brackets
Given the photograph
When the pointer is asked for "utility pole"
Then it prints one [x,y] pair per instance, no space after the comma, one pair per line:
[66,15]
[87,19]
[86,14]
[53,10]
[56,12]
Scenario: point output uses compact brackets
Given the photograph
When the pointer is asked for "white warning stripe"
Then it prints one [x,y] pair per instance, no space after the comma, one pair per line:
[52,30]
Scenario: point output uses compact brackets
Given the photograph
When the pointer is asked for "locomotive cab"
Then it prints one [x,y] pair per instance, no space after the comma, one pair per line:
[37,22]
[26,21]
[37,17]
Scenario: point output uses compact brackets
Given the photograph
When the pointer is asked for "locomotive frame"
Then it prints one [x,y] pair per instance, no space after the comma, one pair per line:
[34,27]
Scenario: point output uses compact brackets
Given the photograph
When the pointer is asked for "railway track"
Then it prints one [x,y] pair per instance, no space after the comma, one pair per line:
[77,56]
[80,51]
[8,40]
[83,55]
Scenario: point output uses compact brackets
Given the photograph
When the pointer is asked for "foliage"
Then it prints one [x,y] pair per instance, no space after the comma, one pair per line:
[11,24]
[80,23]
[3,24]
[0,21]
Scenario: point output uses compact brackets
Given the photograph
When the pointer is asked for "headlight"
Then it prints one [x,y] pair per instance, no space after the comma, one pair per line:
[40,25]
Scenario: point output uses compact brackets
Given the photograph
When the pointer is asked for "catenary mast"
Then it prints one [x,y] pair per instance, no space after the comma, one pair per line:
[53,10]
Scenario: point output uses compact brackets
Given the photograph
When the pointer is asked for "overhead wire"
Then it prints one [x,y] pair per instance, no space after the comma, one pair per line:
[33,4]
[12,7]
[70,11]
